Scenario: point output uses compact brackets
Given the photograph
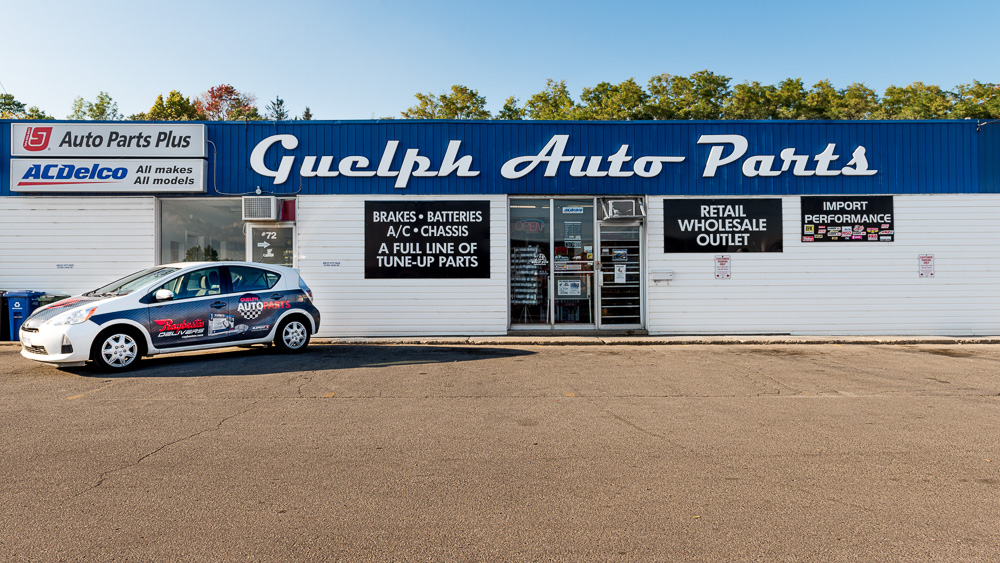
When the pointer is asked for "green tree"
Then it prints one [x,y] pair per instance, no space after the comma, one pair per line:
[244,113]
[751,100]
[104,108]
[10,108]
[822,101]
[976,101]
[916,101]
[510,110]
[699,96]
[176,107]
[616,102]
[461,103]
[789,99]
[35,113]
[307,115]
[428,106]
[552,103]
[660,104]
[276,109]
[857,101]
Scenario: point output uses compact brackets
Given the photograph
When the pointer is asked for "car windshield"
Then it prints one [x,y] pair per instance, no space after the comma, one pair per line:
[132,282]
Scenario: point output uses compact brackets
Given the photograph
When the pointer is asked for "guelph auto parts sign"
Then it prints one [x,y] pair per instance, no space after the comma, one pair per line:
[149,140]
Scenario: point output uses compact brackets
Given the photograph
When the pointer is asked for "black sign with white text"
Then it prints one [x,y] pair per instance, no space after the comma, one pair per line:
[722,225]
[427,239]
[847,219]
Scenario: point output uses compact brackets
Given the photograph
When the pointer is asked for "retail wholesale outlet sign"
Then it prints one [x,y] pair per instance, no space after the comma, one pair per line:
[427,239]
[722,225]
[87,175]
[109,140]
[847,219]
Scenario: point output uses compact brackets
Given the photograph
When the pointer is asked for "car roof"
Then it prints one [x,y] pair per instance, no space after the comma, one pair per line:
[185,265]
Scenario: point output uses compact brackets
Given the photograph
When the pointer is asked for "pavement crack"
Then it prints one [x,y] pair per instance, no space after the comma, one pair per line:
[306,379]
[638,428]
[109,473]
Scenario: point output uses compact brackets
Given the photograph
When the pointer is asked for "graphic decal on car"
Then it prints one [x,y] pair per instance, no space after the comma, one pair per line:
[220,324]
[184,329]
[250,306]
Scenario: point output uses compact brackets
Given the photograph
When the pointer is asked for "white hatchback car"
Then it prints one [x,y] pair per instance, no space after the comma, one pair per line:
[174,308]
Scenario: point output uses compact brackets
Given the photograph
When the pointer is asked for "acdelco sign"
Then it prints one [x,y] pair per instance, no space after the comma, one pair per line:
[107,139]
[107,175]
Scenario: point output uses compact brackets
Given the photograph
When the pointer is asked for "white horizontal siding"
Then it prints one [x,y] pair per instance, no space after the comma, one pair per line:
[104,238]
[332,229]
[842,288]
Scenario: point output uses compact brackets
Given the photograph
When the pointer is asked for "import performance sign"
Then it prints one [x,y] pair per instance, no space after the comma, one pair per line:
[847,219]
[427,239]
[722,225]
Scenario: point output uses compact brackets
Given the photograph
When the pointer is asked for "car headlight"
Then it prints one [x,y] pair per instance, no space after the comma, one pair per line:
[74,317]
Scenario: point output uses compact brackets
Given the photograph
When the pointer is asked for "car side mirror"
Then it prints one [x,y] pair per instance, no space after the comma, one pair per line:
[163,295]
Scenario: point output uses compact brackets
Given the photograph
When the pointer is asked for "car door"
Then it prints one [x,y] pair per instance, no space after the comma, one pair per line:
[198,313]
[256,305]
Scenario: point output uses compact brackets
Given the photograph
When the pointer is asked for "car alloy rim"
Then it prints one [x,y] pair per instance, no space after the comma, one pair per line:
[294,334]
[119,350]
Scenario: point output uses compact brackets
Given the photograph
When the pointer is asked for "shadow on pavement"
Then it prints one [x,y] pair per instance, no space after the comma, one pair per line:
[260,360]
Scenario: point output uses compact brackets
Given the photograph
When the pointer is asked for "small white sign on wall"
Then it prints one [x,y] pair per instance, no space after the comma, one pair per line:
[925,265]
[723,267]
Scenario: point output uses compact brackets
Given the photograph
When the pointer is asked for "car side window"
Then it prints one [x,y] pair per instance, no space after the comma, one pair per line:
[246,279]
[197,283]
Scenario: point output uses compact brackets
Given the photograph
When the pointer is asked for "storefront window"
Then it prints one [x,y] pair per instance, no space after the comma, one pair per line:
[198,229]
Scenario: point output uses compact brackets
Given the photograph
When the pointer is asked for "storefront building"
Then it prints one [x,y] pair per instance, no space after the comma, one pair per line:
[489,228]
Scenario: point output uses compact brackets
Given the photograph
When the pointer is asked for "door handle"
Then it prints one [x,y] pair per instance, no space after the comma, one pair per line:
[218,304]
[275,296]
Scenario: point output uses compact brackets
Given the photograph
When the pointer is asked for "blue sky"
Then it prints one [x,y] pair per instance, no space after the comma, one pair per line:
[366,59]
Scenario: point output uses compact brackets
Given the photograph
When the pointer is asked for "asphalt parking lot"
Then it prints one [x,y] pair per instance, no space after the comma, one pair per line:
[808,452]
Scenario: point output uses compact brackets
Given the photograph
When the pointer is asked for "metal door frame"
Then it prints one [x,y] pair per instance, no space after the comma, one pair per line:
[598,271]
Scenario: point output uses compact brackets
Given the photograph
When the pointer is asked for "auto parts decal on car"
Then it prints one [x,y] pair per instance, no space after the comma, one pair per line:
[250,306]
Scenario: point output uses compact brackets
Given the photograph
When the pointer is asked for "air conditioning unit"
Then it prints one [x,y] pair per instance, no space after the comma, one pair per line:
[260,208]
[623,208]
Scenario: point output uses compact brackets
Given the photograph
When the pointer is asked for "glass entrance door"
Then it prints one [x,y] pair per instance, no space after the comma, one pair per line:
[620,281]
[552,252]
[573,261]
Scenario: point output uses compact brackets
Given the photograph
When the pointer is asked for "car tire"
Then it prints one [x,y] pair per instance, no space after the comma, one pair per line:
[292,335]
[117,349]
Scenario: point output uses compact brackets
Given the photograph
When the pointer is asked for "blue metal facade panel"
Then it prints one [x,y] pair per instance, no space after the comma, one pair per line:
[911,157]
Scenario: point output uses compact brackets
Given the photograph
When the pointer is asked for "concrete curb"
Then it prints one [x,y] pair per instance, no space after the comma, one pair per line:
[769,340]
[763,340]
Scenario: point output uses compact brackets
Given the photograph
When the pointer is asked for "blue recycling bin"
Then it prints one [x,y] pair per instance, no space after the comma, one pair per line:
[20,305]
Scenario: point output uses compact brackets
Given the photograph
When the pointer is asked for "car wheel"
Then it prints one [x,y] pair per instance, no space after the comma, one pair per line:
[116,350]
[292,335]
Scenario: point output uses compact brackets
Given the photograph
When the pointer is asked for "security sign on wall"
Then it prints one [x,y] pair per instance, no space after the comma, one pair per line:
[427,239]
[847,219]
[722,225]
